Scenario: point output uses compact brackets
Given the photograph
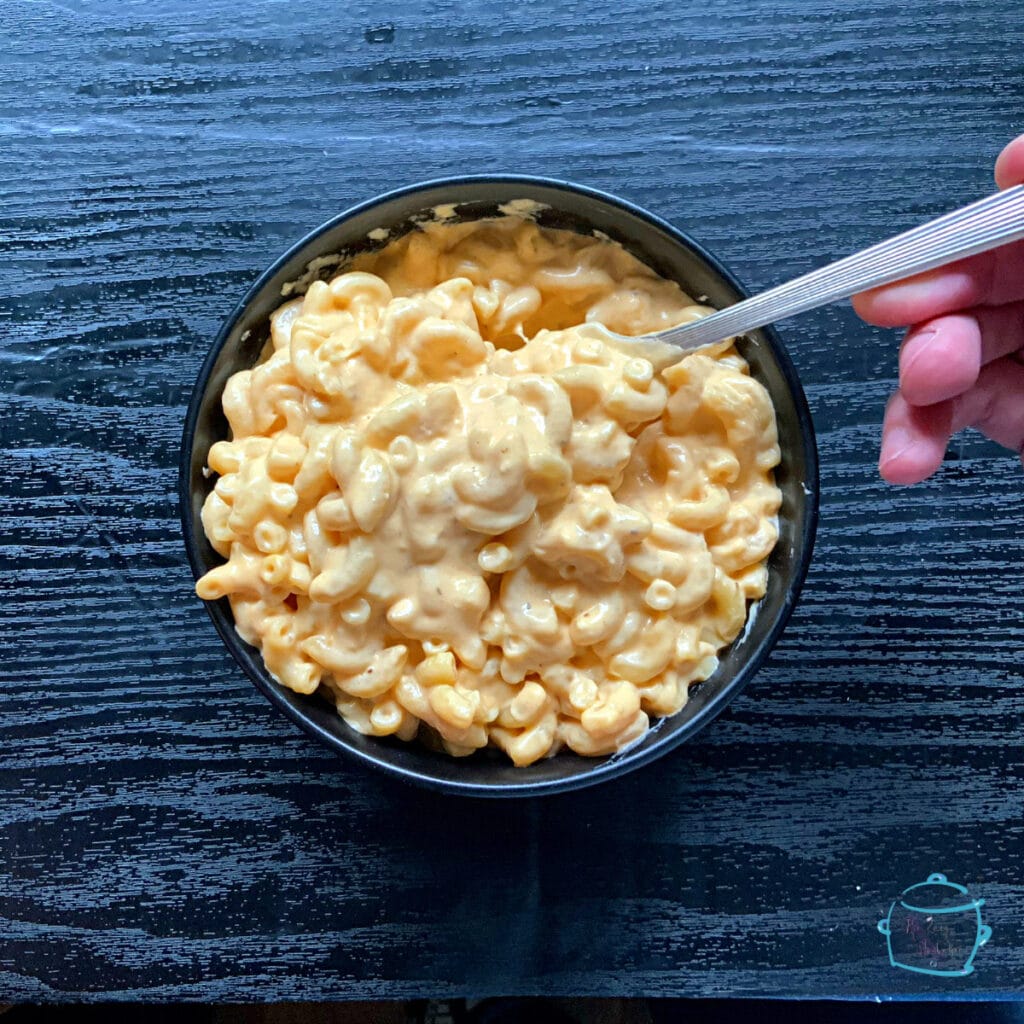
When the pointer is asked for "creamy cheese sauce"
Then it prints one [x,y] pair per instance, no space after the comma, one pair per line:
[453,505]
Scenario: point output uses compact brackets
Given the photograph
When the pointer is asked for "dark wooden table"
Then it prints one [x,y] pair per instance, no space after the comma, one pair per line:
[163,833]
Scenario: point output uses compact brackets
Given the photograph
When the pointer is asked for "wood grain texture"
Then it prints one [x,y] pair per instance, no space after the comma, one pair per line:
[163,833]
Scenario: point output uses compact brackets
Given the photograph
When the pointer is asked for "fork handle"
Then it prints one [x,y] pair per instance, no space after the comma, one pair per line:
[993,221]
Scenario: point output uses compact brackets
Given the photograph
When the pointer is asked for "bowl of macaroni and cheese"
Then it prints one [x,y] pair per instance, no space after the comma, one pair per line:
[450,530]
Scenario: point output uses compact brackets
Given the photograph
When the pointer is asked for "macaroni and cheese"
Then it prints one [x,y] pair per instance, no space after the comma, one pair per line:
[454,508]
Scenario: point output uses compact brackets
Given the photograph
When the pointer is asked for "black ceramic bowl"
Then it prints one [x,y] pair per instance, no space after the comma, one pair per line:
[673,255]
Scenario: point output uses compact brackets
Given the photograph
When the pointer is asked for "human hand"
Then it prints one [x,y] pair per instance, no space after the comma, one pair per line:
[962,361]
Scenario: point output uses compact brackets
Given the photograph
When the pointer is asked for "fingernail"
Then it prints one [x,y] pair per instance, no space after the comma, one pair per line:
[898,442]
[920,342]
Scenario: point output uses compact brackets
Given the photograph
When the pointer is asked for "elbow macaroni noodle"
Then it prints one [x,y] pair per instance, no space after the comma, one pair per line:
[447,503]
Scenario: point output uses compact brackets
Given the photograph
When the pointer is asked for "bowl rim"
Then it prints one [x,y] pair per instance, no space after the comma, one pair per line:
[614,765]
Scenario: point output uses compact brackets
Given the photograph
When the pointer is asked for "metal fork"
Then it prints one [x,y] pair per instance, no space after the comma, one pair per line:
[996,220]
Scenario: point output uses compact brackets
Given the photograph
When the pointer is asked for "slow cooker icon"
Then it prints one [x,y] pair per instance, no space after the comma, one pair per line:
[935,927]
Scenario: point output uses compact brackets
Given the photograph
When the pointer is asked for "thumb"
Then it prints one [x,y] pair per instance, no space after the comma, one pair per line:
[1010,164]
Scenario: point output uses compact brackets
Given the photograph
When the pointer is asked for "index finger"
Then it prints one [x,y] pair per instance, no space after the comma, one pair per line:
[988,279]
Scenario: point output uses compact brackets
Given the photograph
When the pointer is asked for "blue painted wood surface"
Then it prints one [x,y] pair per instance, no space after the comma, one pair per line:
[163,834]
